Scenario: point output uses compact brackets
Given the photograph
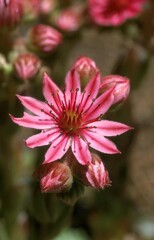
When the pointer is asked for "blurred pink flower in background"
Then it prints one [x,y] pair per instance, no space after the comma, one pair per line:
[11,12]
[69,19]
[46,6]
[26,65]
[121,87]
[44,38]
[114,12]
[71,119]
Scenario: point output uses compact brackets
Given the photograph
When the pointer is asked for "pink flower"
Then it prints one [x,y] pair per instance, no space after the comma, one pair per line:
[26,66]
[114,12]
[54,177]
[11,12]
[46,6]
[121,87]
[45,38]
[68,20]
[71,119]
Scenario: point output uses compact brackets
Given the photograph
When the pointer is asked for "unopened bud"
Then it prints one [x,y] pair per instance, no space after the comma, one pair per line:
[11,12]
[45,38]
[26,66]
[96,174]
[121,87]
[86,68]
[54,177]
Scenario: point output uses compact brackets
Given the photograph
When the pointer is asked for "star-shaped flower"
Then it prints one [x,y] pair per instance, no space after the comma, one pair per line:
[71,119]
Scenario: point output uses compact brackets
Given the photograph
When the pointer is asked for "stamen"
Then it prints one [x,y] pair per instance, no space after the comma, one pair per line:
[42,110]
[79,106]
[56,101]
[65,98]
[59,99]
[74,105]
[93,100]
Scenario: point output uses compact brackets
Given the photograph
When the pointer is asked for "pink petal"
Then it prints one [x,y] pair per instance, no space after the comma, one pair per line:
[57,149]
[73,88]
[35,106]
[43,138]
[51,92]
[100,106]
[108,128]
[100,143]
[31,121]
[90,92]
[80,150]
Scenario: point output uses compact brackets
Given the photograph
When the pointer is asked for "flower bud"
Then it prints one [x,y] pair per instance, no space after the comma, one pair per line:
[96,174]
[121,87]
[86,68]
[11,12]
[54,177]
[68,20]
[26,66]
[45,38]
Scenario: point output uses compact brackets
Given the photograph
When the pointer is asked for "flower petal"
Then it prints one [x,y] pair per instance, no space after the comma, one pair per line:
[108,128]
[100,106]
[31,121]
[51,92]
[90,92]
[43,138]
[80,150]
[35,106]
[57,149]
[100,143]
[73,88]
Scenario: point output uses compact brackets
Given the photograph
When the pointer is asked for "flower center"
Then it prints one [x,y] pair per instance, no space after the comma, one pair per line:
[70,121]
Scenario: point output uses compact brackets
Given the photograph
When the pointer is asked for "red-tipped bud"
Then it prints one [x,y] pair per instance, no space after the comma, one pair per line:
[96,174]
[54,177]
[11,12]
[121,87]
[68,20]
[86,68]
[26,66]
[93,174]
[45,38]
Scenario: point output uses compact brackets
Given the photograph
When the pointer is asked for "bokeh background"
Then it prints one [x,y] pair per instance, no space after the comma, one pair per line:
[124,211]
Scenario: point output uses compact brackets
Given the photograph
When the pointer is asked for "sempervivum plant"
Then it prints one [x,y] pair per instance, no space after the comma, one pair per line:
[71,119]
